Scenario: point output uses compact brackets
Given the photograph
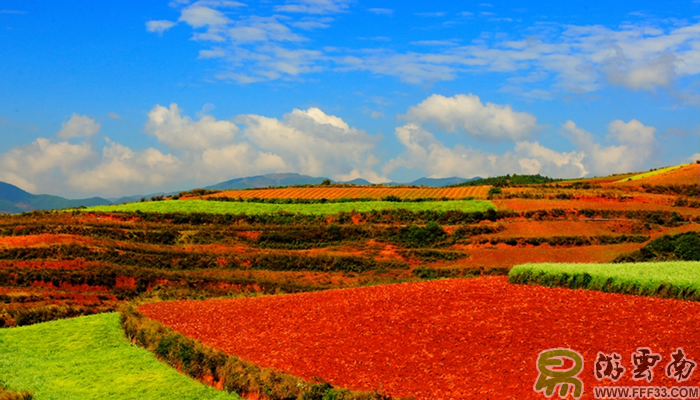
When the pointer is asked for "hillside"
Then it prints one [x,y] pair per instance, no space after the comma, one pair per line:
[15,200]
[261,181]
[680,175]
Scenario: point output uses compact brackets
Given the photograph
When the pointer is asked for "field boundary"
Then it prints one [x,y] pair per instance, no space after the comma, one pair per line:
[223,371]
[586,276]
[10,394]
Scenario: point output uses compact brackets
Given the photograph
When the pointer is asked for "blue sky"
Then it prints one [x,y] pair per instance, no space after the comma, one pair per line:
[118,97]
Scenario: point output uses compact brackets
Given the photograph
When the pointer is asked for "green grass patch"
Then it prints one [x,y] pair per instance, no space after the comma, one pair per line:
[674,279]
[90,358]
[215,207]
[652,173]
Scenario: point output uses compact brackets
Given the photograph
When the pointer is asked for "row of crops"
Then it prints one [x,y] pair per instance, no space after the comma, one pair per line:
[217,207]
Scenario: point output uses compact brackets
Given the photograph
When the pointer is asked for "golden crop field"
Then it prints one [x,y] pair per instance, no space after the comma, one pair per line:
[358,192]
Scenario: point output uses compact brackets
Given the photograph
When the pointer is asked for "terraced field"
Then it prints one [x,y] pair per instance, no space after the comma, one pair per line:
[218,207]
[451,339]
[358,193]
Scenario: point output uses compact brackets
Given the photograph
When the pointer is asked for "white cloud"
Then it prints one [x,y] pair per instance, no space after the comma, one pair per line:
[466,113]
[311,142]
[200,151]
[34,167]
[693,158]
[78,126]
[114,115]
[572,58]
[182,133]
[431,14]
[636,146]
[121,169]
[198,16]
[450,42]
[424,152]
[212,53]
[260,29]
[314,6]
[159,26]
[311,24]
[381,11]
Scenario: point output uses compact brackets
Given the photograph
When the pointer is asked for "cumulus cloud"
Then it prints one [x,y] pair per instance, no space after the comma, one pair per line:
[121,168]
[182,133]
[34,167]
[425,152]
[78,126]
[636,145]
[311,141]
[200,151]
[466,113]
[159,26]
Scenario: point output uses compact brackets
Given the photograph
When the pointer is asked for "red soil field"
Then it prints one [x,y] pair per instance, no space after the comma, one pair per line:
[533,205]
[358,193]
[503,255]
[688,175]
[524,228]
[42,239]
[452,339]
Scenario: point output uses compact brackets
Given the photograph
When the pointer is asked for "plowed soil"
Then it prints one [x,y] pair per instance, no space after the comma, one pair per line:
[358,193]
[451,339]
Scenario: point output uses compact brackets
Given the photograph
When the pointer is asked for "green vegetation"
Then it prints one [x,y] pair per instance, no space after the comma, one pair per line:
[684,247]
[652,173]
[203,206]
[662,279]
[89,358]
[510,180]
[232,373]
[456,272]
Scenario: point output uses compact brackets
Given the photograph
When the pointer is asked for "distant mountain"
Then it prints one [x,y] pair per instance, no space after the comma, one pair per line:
[358,182]
[262,181]
[440,182]
[136,198]
[291,179]
[15,200]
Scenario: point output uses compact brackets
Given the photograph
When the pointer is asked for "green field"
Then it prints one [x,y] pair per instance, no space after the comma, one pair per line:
[89,358]
[652,173]
[221,207]
[677,279]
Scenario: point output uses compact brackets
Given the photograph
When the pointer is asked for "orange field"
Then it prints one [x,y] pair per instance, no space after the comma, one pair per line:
[358,193]
[452,339]
[689,175]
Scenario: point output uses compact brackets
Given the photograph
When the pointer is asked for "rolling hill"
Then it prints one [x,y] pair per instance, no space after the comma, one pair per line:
[15,200]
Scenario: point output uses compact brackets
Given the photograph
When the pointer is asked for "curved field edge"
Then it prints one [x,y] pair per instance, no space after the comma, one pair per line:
[89,358]
[224,371]
[215,207]
[674,279]
[652,173]
[11,394]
